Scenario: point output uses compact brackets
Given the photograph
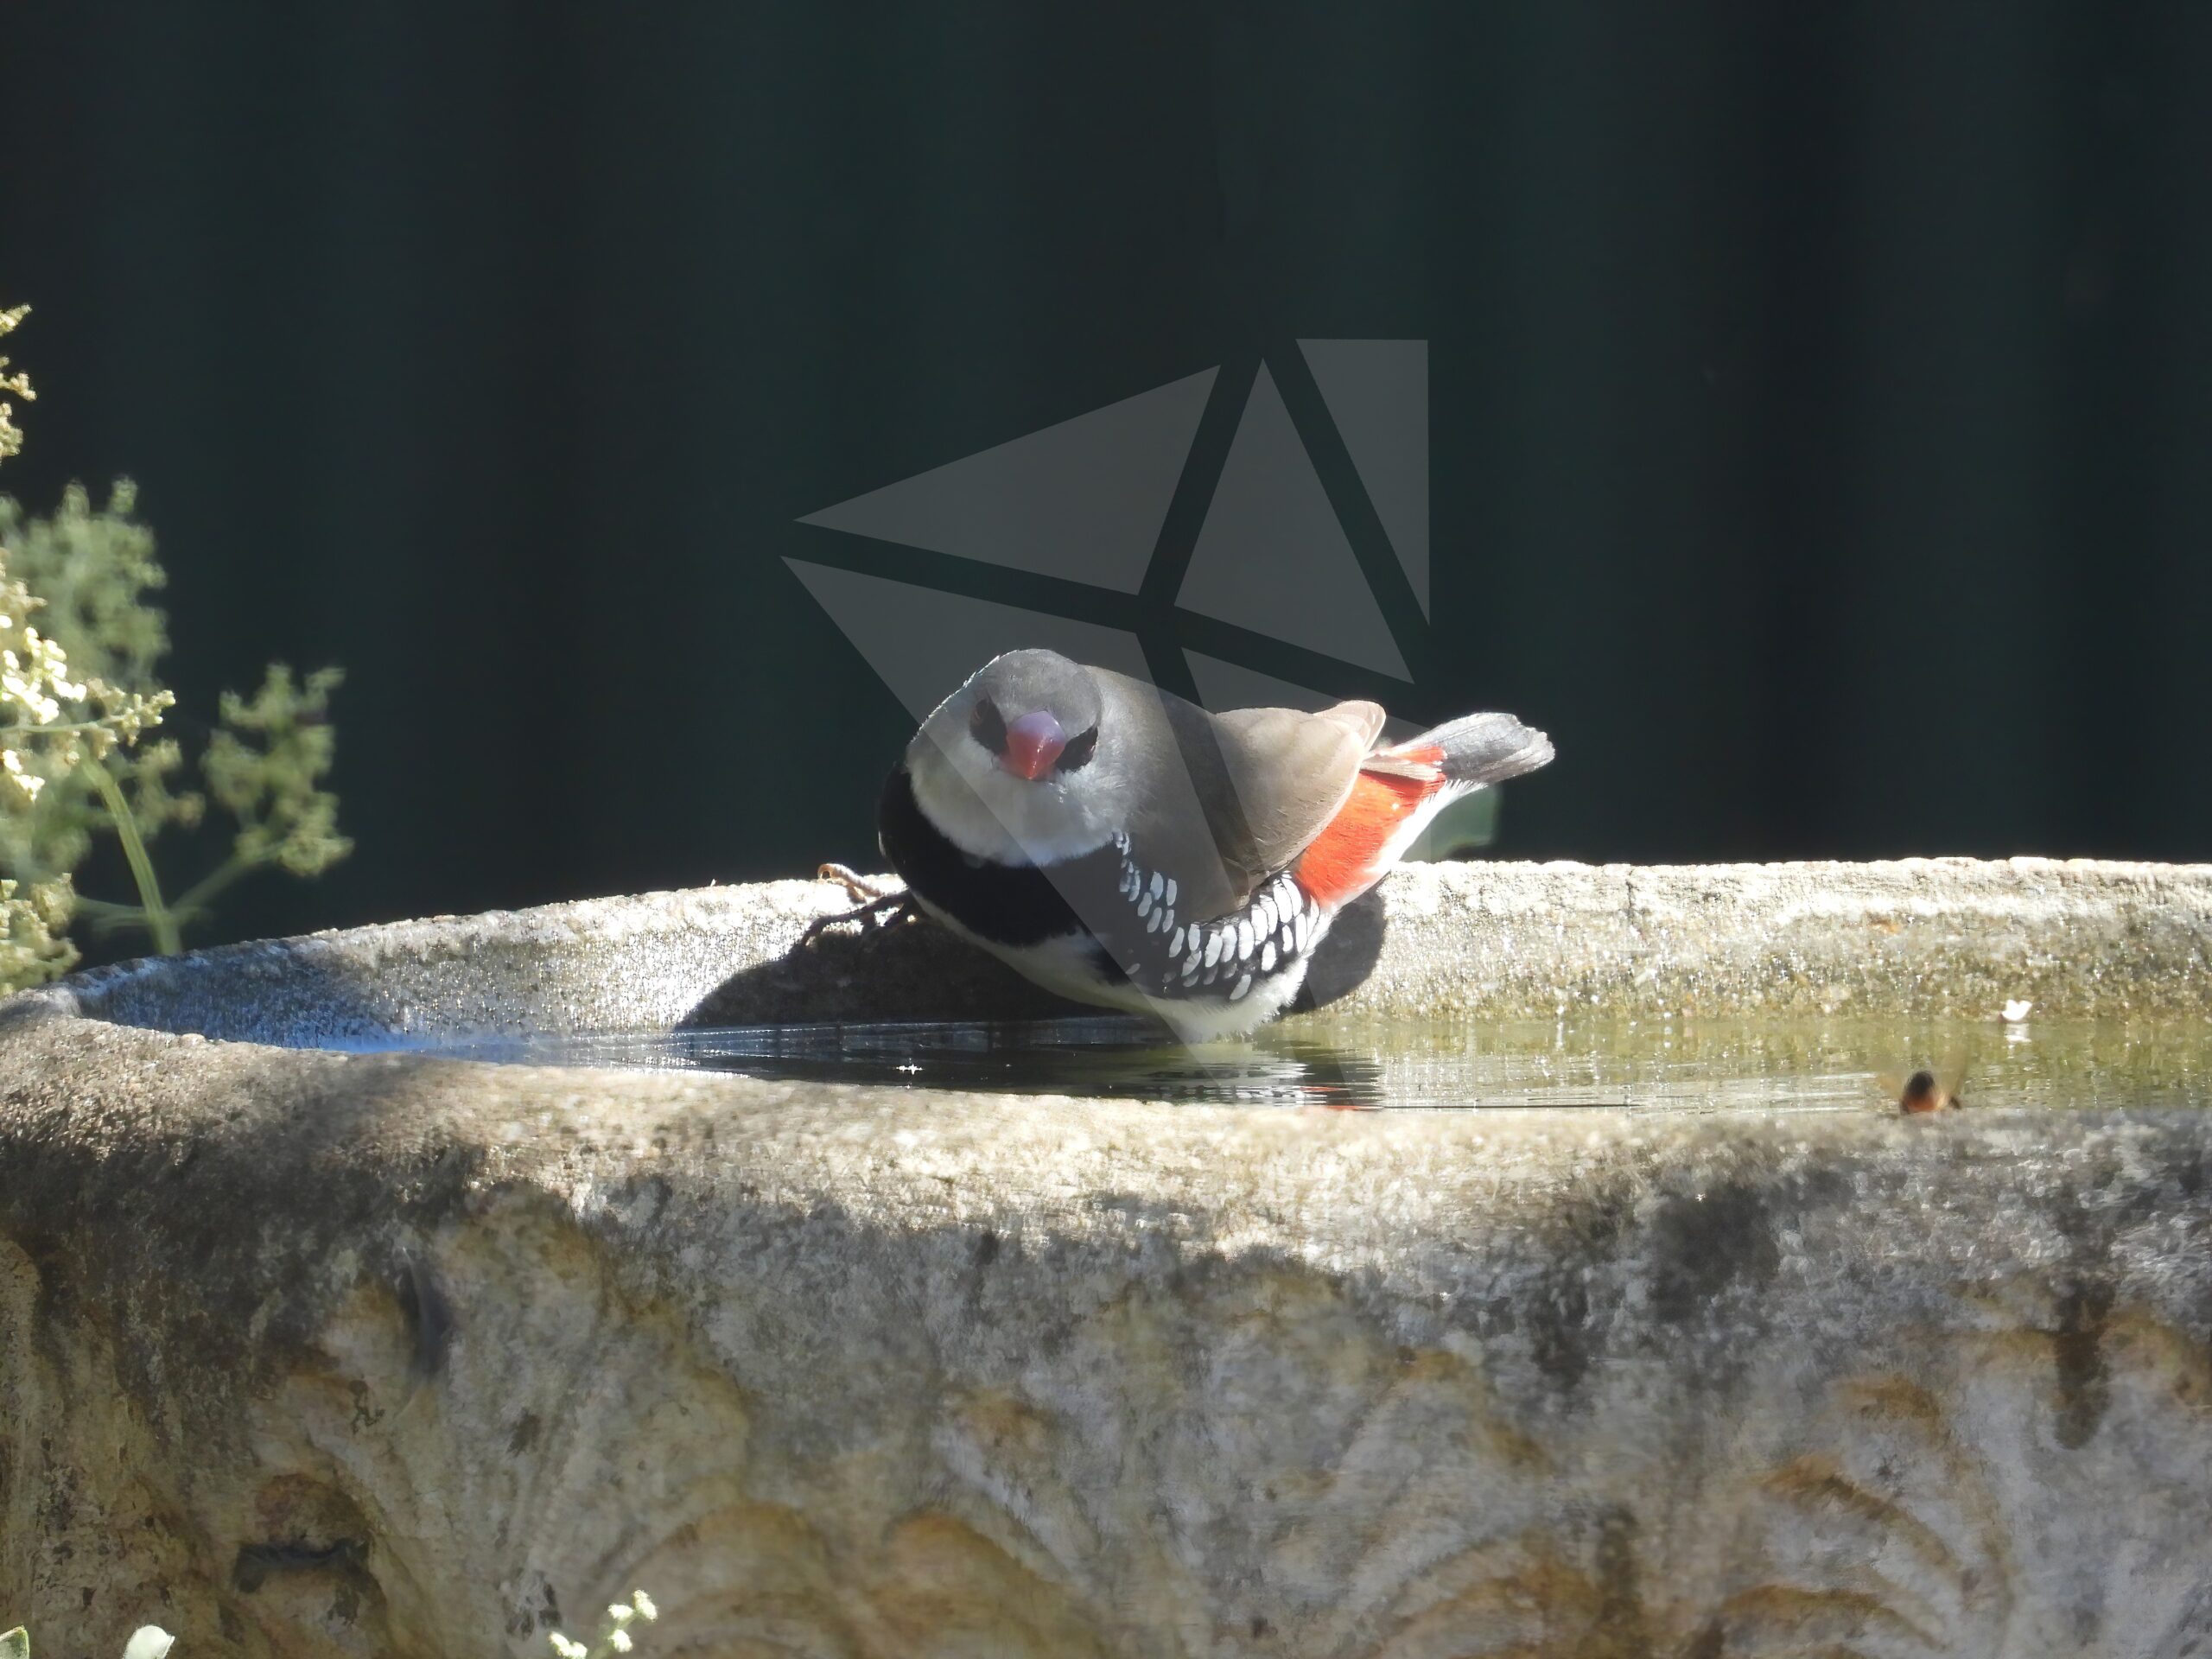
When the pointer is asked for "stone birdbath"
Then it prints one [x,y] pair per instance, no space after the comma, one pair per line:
[317,1340]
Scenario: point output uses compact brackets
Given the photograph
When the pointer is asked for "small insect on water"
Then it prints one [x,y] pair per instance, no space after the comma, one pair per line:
[1922,1092]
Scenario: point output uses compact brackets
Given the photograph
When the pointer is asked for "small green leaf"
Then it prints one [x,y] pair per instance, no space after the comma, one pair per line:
[16,1644]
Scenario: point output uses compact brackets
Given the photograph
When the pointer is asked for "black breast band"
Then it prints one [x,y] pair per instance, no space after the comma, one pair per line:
[1130,914]
[1012,904]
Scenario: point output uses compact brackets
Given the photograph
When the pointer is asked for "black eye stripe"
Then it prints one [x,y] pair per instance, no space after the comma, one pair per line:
[988,726]
[1080,747]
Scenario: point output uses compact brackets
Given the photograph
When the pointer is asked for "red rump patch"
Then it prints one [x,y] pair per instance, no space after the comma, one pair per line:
[1348,857]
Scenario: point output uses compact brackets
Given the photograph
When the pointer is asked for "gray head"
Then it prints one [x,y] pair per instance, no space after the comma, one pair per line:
[1005,764]
[1035,712]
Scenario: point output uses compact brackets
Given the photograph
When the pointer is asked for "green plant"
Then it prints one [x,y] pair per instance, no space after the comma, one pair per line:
[80,690]
[11,437]
[32,915]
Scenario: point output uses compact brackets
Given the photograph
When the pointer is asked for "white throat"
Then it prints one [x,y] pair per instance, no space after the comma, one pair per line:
[988,813]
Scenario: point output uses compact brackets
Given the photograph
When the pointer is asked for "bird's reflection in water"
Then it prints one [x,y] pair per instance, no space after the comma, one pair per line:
[1125,1057]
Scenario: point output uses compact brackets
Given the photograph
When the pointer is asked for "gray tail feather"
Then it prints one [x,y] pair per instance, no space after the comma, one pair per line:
[1486,748]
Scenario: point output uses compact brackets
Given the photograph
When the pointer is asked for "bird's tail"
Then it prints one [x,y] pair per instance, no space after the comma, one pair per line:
[1468,752]
[1400,790]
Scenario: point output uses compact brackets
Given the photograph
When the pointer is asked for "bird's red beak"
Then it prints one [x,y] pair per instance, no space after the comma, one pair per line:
[1032,744]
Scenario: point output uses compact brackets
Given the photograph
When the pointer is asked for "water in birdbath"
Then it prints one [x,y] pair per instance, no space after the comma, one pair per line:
[1346,1062]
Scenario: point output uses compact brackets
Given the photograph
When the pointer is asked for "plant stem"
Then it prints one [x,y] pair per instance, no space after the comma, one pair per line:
[60,728]
[83,904]
[106,915]
[196,896]
[159,921]
[190,907]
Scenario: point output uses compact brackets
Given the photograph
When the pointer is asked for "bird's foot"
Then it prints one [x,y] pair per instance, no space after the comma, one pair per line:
[875,908]
[858,888]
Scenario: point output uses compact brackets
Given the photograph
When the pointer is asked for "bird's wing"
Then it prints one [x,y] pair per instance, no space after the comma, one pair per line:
[1232,798]
[1290,771]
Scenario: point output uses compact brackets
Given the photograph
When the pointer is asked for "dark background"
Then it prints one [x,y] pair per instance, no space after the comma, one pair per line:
[1820,394]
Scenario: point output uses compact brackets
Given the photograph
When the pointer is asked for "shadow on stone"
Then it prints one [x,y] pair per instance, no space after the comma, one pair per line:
[915,969]
[291,992]
[499,974]
[893,972]
[1348,956]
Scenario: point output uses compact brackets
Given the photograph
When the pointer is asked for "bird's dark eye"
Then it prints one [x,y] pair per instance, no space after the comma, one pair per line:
[988,726]
[1077,756]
